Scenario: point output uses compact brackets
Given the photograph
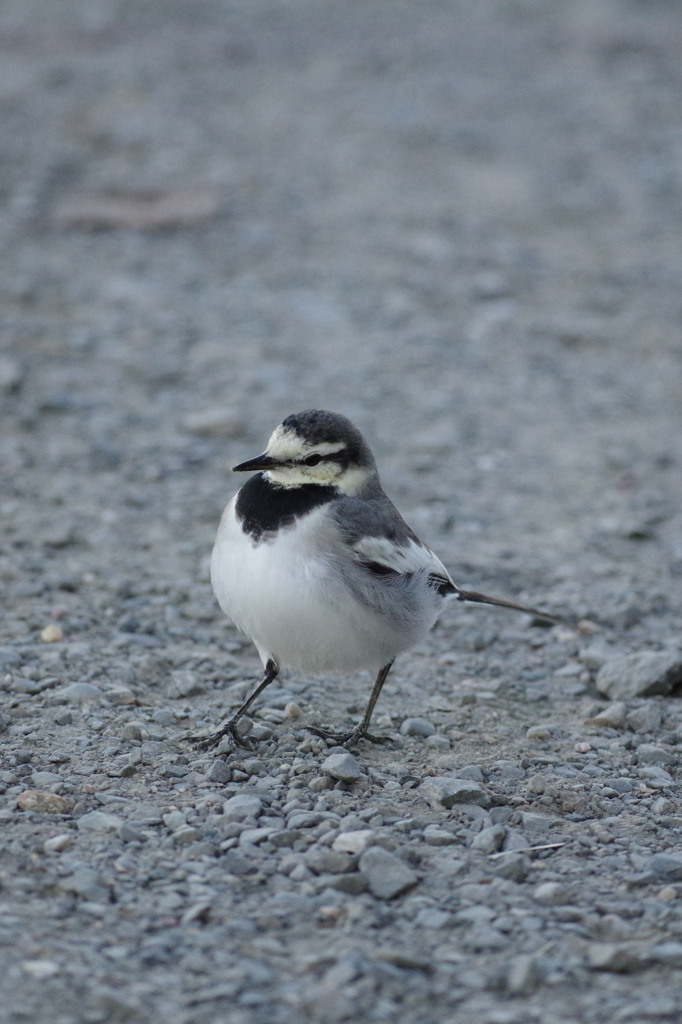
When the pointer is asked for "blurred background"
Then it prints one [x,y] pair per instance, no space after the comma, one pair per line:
[458,223]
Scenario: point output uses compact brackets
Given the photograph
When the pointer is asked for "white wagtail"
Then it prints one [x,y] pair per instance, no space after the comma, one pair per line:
[316,565]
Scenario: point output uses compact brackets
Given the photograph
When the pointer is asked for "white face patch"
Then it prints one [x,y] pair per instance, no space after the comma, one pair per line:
[286,445]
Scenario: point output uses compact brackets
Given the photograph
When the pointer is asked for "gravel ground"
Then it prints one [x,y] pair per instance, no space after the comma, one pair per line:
[460,224]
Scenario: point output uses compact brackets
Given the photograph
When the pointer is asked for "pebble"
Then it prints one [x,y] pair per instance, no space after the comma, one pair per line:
[88,883]
[41,779]
[9,658]
[331,862]
[344,767]
[436,835]
[11,374]
[650,753]
[668,953]
[666,865]
[437,742]
[445,791]
[611,717]
[185,684]
[43,803]
[647,718]
[254,836]
[40,969]
[616,957]
[58,843]
[386,874]
[552,894]
[417,727]
[242,806]
[523,976]
[77,691]
[99,821]
[354,842]
[219,772]
[490,839]
[470,771]
[639,675]
[538,732]
[655,777]
[133,731]
[51,634]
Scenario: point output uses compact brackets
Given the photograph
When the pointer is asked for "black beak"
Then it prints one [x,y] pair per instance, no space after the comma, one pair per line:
[252,465]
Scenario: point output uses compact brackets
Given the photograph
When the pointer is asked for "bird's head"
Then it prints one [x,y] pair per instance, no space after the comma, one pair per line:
[315,447]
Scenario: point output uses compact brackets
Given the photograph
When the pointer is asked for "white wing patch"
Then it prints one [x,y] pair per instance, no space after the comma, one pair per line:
[408,558]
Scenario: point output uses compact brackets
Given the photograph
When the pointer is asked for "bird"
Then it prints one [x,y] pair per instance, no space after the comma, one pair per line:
[314,563]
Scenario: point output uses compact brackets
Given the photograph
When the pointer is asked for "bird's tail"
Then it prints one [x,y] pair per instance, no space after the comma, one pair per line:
[476,598]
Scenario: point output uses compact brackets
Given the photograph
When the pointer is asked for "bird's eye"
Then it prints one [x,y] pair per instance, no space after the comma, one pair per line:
[312,460]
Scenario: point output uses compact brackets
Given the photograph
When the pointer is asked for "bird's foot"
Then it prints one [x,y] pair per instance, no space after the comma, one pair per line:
[347,739]
[229,729]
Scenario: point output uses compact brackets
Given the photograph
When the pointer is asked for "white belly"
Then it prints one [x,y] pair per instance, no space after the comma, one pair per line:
[284,596]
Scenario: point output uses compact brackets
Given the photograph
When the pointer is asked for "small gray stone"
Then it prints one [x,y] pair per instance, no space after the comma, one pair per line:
[220,772]
[99,821]
[611,717]
[354,842]
[552,894]
[285,837]
[132,731]
[59,843]
[647,718]
[436,835]
[617,957]
[304,819]
[523,976]
[185,684]
[344,767]
[417,727]
[469,771]
[640,675]
[655,777]
[437,742]
[11,374]
[534,822]
[88,883]
[352,883]
[621,785]
[668,953]
[432,917]
[490,839]
[649,753]
[9,658]
[386,874]
[42,779]
[186,834]
[77,691]
[667,866]
[445,791]
[514,867]
[328,862]
[164,716]
[242,806]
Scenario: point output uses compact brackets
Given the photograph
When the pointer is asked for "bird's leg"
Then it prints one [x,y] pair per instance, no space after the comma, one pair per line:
[230,727]
[361,730]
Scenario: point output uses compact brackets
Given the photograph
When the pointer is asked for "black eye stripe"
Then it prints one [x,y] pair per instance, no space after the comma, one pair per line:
[313,460]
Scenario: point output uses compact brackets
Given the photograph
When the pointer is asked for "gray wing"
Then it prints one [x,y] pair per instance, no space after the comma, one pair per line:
[383,546]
